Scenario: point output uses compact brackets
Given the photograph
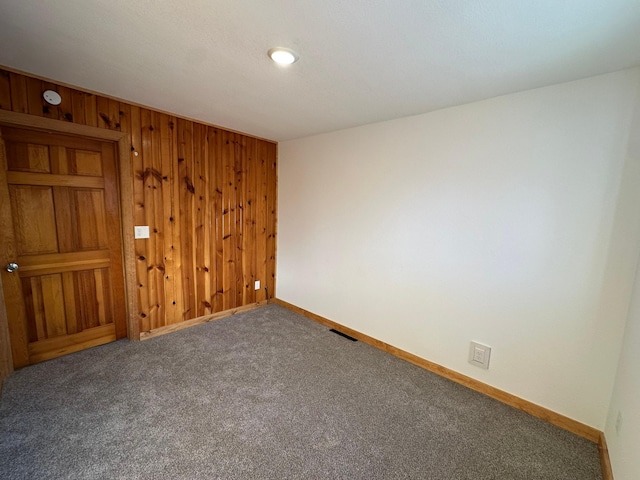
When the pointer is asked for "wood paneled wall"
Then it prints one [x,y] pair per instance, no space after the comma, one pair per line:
[208,196]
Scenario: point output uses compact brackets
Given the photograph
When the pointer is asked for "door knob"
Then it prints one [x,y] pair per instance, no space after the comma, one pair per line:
[11,267]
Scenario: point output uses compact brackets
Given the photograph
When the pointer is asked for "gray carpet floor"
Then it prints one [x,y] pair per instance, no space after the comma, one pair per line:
[266,394]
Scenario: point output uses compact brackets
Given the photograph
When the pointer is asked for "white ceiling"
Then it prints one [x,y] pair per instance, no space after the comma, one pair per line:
[361,61]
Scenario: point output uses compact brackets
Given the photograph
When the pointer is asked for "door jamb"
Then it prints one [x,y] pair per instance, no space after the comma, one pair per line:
[125,181]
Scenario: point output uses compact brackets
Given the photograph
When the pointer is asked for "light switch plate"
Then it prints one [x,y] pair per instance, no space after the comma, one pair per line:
[256,285]
[141,231]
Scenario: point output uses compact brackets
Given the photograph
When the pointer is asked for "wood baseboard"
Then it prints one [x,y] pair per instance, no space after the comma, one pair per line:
[156,332]
[605,461]
[543,413]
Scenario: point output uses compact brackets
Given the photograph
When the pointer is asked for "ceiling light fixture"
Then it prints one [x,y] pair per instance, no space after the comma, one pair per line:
[283,56]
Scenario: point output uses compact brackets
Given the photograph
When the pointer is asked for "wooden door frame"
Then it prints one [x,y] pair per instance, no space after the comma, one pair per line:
[125,183]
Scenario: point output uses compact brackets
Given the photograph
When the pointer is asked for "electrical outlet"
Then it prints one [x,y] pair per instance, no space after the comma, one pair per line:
[619,423]
[257,285]
[479,355]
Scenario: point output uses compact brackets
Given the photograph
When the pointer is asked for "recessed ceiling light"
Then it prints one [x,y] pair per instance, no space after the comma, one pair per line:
[283,56]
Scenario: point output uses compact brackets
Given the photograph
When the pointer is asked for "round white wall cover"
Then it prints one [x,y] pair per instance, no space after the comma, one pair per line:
[51,97]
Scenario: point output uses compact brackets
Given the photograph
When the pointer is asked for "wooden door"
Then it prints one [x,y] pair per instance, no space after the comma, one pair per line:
[60,222]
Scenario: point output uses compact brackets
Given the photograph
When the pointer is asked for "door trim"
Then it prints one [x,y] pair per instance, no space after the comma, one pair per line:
[125,182]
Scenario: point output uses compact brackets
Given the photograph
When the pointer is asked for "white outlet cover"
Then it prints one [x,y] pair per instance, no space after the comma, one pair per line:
[257,285]
[479,355]
[141,231]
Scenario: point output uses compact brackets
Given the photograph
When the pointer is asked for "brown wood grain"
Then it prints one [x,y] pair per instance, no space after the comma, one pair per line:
[81,135]
[102,111]
[70,302]
[199,320]
[55,347]
[239,153]
[68,235]
[90,111]
[158,221]
[18,93]
[126,177]
[27,178]
[261,221]
[46,263]
[6,362]
[113,240]
[54,309]
[223,223]
[5,90]
[605,460]
[169,217]
[186,216]
[217,218]
[249,228]
[12,289]
[272,181]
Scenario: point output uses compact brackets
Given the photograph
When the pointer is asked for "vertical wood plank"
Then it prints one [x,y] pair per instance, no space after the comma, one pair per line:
[27,294]
[218,216]
[86,305]
[249,229]
[64,111]
[208,196]
[68,289]
[187,216]
[176,232]
[168,221]
[78,107]
[201,225]
[139,217]
[90,110]
[272,202]
[100,297]
[19,98]
[37,105]
[66,213]
[158,219]
[58,160]
[38,308]
[131,122]
[102,105]
[114,114]
[238,229]
[112,234]
[6,362]
[52,300]
[5,90]
[261,220]
[148,255]
[228,222]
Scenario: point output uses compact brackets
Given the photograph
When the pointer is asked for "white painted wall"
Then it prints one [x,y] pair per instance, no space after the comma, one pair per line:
[493,221]
[623,445]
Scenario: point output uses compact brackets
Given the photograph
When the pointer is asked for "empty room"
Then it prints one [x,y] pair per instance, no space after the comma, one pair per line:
[320,240]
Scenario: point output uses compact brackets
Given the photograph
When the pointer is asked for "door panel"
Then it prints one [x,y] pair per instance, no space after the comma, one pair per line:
[90,216]
[66,238]
[24,157]
[34,221]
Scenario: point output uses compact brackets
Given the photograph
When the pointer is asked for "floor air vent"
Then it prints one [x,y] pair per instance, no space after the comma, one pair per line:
[343,335]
